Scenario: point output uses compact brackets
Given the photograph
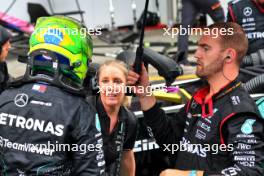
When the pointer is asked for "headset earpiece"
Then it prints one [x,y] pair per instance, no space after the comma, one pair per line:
[227,59]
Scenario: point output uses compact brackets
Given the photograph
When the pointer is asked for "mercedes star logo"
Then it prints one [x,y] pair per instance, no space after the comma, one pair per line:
[247,11]
[21,100]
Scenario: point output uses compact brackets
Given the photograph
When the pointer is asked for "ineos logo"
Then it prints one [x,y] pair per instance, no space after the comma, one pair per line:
[21,100]
[247,11]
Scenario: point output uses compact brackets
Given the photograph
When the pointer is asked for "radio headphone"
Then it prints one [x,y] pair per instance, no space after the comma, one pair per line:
[227,59]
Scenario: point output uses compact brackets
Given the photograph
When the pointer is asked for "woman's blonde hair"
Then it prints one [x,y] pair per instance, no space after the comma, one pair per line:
[121,66]
[116,63]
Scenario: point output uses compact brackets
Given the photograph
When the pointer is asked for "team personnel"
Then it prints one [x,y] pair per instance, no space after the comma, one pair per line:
[46,126]
[118,123]
[249,14]
[190,10]
[4,48]
[222,114]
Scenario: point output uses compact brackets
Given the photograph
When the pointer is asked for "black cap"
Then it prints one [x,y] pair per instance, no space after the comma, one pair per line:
[4,36]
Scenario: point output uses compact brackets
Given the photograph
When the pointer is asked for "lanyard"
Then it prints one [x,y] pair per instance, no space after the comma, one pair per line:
[119,145]
[228,90]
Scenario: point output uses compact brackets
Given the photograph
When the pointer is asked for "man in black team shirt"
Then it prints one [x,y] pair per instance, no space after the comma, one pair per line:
[221,115]
[250,15]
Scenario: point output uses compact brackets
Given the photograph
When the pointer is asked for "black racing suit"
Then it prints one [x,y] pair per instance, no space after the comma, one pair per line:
[249,14]
[47,131]
[228,120]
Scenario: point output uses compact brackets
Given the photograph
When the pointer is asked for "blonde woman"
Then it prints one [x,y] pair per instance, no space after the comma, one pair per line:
[118,124]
